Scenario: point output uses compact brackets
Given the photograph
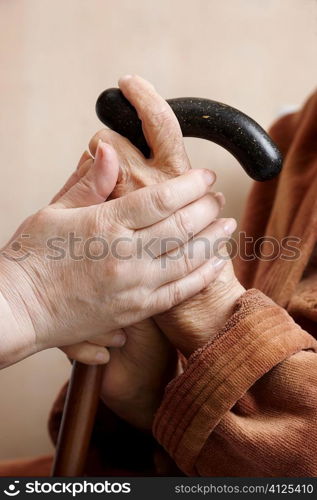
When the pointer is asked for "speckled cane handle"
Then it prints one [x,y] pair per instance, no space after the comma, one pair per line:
[205,119]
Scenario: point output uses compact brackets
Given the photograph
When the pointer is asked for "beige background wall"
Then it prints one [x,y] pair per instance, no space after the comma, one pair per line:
[55,58]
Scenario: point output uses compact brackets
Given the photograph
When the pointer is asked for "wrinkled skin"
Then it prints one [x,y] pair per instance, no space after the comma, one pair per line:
[190,319]
[54,300]
[138,372]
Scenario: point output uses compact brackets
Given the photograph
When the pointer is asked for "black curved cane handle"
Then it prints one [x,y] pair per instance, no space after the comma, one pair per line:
[205,119]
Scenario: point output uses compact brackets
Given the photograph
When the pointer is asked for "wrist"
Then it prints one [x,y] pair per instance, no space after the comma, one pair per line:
[194,323]
[18,336]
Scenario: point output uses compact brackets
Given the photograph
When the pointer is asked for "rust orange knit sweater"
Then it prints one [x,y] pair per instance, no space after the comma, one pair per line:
[246,404]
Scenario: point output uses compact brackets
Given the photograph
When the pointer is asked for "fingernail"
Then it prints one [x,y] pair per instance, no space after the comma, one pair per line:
[230,226]
[97,154]
[118,340]
[98,150]
[102,356]
[209,176]
[101,151]
[218,263]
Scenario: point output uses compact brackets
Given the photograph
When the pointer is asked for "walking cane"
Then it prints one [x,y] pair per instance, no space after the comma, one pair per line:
[201,118]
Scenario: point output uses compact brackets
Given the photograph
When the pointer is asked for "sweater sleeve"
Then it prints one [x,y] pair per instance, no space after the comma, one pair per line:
[246,403]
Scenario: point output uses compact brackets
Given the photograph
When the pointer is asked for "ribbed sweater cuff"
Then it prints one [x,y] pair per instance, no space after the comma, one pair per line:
[258,336]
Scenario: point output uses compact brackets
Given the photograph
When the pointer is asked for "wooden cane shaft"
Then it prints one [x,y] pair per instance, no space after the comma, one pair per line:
[78,419]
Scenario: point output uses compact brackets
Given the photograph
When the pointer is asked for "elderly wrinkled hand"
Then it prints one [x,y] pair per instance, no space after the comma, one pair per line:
[139,371]
[189,325]
[55,297]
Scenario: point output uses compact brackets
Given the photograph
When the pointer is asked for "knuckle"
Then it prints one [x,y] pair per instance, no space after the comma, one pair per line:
[183,223]
[40,218]
[159,118]
[187,264]
[134,302]
[176,295]
[159,304]
[162,200]
[204,282]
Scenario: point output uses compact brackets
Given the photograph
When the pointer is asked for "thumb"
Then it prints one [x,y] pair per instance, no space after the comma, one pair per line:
[84,164]
[97,183]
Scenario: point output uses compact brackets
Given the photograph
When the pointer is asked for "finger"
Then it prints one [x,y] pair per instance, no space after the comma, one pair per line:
[184,260]
[84,157]
[172,294]
[220,197]
[116,338]
[152,204]
[84,164]
[180,226]
[72,180]
[87,353]
[160,125]
[97,183]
